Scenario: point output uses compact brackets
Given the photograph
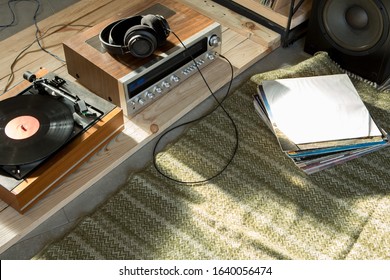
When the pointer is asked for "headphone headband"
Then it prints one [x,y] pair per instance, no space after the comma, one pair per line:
[112,36]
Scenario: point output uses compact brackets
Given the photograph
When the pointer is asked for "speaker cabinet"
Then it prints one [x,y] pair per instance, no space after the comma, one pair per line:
[355,33]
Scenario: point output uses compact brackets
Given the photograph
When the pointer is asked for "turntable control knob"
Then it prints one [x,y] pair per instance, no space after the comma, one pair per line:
[158,89]
[141,101]
[175,78]
[214,41]
[166,84]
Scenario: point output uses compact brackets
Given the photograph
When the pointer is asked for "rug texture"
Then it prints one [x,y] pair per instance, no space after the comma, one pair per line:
[261,207]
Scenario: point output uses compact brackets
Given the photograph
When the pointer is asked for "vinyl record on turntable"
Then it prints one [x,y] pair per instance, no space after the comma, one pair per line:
[32,127]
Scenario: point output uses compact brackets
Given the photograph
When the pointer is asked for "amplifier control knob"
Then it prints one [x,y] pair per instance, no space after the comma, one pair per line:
[214,41]
[158,89]
[175,79]
[141,101]
[166,84]
[149,95]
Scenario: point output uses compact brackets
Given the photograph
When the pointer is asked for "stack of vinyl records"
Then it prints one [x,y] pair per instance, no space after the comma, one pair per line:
[318,121]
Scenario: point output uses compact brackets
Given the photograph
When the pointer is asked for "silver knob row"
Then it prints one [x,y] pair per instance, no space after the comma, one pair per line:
[174,79]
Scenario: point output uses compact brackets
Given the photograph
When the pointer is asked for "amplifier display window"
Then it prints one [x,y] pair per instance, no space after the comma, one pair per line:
[166,68]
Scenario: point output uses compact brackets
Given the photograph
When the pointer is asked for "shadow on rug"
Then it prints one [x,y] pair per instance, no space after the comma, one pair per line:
[261,207]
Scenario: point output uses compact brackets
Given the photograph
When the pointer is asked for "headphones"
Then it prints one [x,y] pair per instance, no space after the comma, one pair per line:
[138,35]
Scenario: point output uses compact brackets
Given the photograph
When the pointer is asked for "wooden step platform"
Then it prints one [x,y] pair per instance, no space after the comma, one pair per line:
[243,43]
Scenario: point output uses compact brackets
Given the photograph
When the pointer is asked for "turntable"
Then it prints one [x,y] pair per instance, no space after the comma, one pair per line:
[46,131]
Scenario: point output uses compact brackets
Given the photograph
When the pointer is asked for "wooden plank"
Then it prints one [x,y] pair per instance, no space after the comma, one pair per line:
[236,22]
[301,15]
[280,3]
[237,46]
[249,53]
[279,15]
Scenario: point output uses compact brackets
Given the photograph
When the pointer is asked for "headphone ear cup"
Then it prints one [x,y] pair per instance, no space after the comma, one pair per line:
[117,31]
[140,40]
[159,25]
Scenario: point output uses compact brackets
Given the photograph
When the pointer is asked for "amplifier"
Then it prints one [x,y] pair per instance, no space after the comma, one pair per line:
[134,83]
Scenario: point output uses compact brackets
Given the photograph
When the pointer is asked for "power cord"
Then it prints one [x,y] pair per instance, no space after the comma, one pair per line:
[39,35]
[13,13]
[219,105]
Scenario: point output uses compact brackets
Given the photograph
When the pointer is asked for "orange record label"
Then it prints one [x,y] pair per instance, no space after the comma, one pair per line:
[22,127]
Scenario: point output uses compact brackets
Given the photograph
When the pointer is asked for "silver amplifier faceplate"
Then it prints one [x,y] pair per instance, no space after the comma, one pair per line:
[206,46]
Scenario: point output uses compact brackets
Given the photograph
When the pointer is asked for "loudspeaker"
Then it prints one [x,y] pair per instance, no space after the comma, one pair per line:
[355,33]
[139,36]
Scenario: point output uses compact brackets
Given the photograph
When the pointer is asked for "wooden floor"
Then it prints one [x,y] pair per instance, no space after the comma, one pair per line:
[243,43]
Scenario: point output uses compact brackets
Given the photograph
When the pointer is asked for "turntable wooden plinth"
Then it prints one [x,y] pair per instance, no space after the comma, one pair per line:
[22,194]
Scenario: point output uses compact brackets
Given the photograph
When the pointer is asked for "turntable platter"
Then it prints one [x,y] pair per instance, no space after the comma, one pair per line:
[32,127]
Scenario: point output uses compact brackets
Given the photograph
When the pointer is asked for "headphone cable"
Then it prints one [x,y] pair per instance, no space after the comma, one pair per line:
[219,105]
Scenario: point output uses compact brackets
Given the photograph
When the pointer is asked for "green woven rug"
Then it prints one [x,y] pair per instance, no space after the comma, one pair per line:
[261,207]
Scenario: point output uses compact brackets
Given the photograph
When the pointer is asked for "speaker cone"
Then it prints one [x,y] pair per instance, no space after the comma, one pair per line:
[356,27]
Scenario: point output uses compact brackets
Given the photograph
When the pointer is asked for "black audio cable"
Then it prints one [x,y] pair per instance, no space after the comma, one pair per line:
[219,105]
